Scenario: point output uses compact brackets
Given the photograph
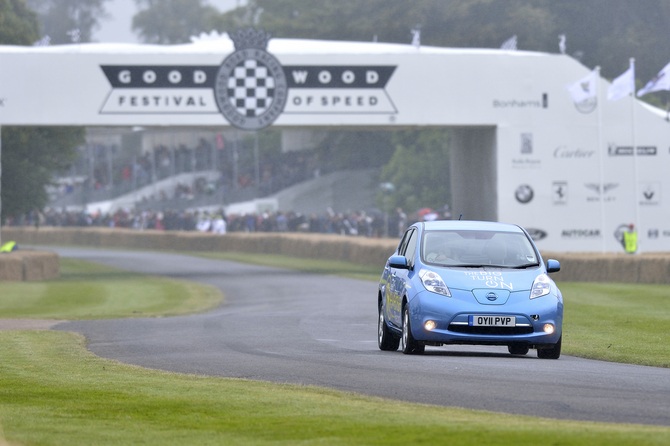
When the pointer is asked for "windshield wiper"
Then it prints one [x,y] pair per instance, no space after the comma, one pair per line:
[477,266]
[527,265]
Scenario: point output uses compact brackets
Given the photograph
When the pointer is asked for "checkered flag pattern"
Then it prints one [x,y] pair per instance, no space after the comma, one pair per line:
[251,88]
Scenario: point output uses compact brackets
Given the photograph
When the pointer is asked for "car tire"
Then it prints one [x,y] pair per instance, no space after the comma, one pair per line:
[517,349]
[409,345]
[385,339]
[551,352]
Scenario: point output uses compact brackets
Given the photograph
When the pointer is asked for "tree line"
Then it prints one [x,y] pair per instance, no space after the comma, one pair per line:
[598,32]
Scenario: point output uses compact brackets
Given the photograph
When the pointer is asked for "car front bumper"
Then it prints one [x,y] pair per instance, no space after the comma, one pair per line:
[451,317]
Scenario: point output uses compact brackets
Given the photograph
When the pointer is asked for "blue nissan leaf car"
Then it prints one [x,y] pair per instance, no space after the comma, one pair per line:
[469,282]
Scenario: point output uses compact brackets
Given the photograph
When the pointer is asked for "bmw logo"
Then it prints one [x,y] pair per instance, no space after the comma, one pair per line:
[491,296]
[523,194]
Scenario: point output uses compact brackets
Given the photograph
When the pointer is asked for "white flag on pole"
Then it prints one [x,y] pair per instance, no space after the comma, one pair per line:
[623,85]
[660,82]
[416,37]
[44,41]
[561,43]
[75,35]
[509,44]
[584,88]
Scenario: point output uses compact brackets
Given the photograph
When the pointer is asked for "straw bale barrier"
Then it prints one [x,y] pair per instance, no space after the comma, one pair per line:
[26,265]
[575,267]
[318,246]
[597,267]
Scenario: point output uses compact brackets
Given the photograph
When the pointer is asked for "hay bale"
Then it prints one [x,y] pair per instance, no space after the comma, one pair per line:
[39,265]
[654,269]
[576,267]
[26,265]
[611,267]
[11,267]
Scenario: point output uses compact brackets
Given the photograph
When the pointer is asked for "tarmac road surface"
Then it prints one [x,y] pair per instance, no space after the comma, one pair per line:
[291,327]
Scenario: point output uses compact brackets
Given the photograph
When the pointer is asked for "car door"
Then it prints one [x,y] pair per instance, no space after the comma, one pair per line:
[389,283]
[399,277]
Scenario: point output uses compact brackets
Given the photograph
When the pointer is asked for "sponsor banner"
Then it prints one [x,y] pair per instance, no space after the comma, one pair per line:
[580,233]
[523,104]
[526,143]
[322,100]
[151,100]
[526,148]
[563,152]
[650,193]
[354,77]
[160,76]
[614,150]
[536,234]
[559,192]
[250,88]
[587,105]
[526,163]
[598,192]
[524,194]
[655,233]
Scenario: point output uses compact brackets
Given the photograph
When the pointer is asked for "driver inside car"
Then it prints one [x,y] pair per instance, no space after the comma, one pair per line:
[439,255]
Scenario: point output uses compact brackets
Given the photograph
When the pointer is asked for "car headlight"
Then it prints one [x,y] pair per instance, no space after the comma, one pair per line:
[541,286]
[433,282]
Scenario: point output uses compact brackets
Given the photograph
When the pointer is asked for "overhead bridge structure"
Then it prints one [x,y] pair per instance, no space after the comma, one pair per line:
[521,150]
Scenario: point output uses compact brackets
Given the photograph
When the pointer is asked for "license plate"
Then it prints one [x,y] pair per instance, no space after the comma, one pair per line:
[492,321]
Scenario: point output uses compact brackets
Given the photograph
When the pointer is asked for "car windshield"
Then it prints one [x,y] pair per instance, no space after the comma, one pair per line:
[478,248]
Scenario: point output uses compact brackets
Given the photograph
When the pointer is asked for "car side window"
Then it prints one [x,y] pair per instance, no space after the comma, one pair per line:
[410,249]
[403,243]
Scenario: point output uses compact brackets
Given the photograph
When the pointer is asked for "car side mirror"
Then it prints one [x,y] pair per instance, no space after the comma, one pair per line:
[399,262]
[553,266]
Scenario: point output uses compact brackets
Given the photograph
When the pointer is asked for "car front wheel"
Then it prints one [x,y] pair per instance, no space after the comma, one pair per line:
[385,338]
[551,352]
[409,345]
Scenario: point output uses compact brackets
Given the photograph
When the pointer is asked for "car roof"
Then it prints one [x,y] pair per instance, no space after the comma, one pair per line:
[460,225]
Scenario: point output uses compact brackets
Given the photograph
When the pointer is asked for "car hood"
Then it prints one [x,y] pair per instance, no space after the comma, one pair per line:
[504,280]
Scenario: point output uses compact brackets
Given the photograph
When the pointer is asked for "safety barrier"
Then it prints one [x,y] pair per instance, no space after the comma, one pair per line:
[27,265]
[598,267]
[575,267]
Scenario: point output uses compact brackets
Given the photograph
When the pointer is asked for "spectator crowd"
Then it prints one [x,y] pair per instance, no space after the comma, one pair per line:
[276,171]
[365,224]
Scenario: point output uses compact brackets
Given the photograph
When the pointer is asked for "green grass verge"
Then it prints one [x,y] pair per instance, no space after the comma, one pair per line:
[91,291]
[627,323]
[619,322]
[54,392]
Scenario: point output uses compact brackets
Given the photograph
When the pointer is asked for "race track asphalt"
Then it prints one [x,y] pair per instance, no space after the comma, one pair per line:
[292,327]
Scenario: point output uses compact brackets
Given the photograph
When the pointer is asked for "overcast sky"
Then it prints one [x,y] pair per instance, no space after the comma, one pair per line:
[116,28]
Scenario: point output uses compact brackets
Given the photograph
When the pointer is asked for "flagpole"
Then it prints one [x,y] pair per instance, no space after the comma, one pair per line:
[636,202]
[601,159]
